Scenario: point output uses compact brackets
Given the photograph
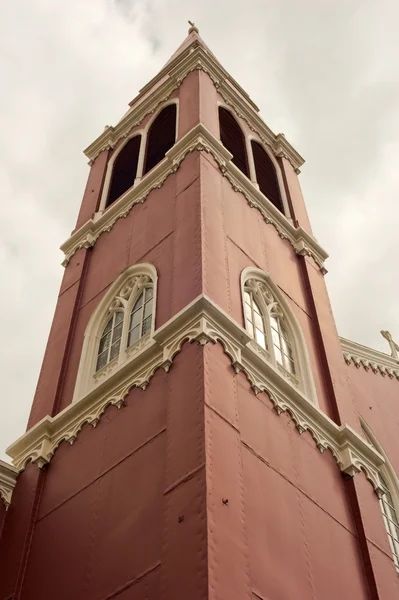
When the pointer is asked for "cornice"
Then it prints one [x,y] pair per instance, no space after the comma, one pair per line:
[195,58]
[365,357]
[204,322]
[199,139]
[8,478]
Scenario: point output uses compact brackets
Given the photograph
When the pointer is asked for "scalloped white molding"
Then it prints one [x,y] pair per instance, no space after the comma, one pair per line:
[8,478]
[205,322]
[199,139]
[194,58]
[365,357]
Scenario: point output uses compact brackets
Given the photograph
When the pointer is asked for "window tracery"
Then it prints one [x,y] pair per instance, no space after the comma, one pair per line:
[266,323]
[120,327]
[130,320]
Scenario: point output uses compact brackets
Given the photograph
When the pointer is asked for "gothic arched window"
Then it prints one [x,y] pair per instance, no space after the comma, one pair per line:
[266,323]
[110,340]
[391,521]
[266,175]
[140,316]
[233,139]
[124,169]
[120,327]
[161,137]
[389,499]
[131,318]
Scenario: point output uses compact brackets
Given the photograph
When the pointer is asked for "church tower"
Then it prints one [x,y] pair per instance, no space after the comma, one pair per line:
[195,431]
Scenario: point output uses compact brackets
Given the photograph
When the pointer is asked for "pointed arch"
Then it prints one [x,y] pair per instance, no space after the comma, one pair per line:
[281,338]
[389,501]
[161,136]
[232,138]
[266,175]
[107,344]
[124,169]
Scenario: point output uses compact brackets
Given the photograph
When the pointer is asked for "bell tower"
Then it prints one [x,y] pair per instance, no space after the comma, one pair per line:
[193,433]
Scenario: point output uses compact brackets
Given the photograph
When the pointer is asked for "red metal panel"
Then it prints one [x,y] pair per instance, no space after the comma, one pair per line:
[189,104]
[184,541]
[184,544]
[147,587]
[92,194]
[187,255]
[16,535]
[45,395]
[118,434]
[103,536]
[2,515]
[208,104]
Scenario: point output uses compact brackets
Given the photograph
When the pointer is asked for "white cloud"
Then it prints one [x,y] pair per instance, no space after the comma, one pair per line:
[324,73]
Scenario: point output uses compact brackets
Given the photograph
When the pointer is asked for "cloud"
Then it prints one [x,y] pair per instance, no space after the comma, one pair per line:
[323,73]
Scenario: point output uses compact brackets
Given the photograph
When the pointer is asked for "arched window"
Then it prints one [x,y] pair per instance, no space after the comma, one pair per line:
[124,169]
[120,327]
[254,319]
[110,340]
[389,500]
[391,521]
[140,316]
[266,175]
[161,137]
[265,322]
[233,139]
[276,334]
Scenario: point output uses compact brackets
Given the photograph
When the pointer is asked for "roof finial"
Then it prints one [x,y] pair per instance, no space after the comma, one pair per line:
[393,345]
[192,28]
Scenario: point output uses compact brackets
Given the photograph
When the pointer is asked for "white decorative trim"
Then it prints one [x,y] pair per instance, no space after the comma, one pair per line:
[195,58]
[120,296]
[8,478]
[304,377]
[205,322]
[199,139]
[365,357]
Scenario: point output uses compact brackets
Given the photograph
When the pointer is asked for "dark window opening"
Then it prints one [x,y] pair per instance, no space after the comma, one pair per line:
[161,137]
[266,175]
[233,139]
[124,169]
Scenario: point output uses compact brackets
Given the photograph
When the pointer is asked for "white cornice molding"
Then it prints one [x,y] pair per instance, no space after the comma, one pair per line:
[199,139]
[204,322]
[195,58]
[8,478]
[365,357]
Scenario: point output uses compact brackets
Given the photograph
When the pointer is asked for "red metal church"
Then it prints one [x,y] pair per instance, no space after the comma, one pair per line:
[199,430]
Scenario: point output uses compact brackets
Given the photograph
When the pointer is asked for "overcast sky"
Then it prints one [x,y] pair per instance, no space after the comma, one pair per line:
[324,72]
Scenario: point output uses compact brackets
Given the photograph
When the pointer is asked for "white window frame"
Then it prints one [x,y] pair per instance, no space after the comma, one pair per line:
[251,163]
[143,148]
[390,479]
[269,298]
[121,296]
